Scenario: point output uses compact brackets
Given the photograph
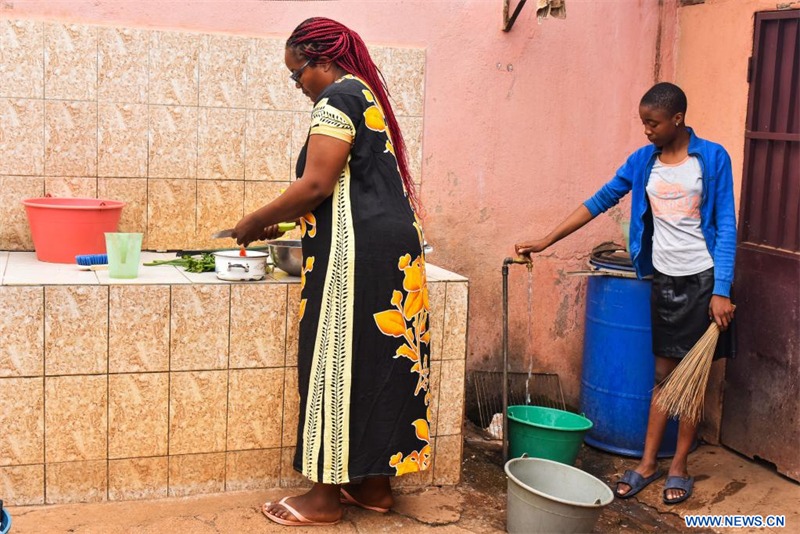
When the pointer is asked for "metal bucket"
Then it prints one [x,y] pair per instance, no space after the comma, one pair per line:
[548,496]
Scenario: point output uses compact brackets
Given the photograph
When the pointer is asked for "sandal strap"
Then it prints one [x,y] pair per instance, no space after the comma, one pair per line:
[347,497]
[678,483]
[631,478]
[300,517]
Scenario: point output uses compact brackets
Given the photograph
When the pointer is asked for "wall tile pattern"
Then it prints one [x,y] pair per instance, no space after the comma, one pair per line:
[122,59]
[124,113]
[196,422]
[75,422]
[138,328]
[138,410]
[133,479]
[76,481]
[22,65]
[75,330]
[253,470]
[139,416]
[196,473]
[21,331]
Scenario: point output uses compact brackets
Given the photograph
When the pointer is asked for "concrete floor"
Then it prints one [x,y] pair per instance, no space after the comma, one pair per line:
[726,484]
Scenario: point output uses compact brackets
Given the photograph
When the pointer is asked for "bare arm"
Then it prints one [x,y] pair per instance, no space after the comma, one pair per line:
[325,158]
[576,220]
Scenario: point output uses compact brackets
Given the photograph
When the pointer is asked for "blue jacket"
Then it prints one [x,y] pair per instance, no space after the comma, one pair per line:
[717,208]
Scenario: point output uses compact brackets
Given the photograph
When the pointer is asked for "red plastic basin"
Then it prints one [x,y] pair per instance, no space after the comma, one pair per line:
[63,228]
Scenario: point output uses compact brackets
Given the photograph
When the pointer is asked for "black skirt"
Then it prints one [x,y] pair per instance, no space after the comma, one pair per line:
[679,314]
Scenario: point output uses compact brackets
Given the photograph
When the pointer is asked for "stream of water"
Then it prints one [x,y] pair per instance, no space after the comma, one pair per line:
[528,343]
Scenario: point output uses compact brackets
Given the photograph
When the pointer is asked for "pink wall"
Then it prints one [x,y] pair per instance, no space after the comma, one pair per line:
[519,128]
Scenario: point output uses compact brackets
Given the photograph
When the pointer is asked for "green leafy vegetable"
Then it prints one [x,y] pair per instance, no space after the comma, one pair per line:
[192,264]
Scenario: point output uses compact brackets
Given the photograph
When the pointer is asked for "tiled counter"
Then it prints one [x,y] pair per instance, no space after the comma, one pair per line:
[173,383]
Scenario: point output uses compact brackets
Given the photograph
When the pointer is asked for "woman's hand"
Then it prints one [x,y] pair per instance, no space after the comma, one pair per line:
[575,220]
[249,229]
[526,249]
[271,232]
[720,310]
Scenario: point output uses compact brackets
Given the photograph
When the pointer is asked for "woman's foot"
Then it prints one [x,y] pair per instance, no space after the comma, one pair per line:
[374,493]
[645,470]
[319,505]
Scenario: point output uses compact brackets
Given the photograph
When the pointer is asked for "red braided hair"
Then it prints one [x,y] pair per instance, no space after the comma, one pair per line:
[320,37]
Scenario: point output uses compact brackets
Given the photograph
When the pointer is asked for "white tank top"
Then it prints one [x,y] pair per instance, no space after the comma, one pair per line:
[675,192]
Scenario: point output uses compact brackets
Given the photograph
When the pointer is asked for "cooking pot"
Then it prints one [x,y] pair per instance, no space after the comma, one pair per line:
[230,265]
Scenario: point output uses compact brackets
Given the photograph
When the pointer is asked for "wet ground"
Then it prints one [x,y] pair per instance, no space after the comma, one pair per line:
[485,479]
[726,484]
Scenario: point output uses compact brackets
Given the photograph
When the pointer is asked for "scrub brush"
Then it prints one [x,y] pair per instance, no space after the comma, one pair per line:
[92,262]
[87,260]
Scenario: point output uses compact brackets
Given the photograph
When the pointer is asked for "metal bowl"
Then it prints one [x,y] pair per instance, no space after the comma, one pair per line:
[287,254]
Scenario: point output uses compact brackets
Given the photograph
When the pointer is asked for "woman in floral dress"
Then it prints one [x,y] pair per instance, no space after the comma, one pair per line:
[364,341]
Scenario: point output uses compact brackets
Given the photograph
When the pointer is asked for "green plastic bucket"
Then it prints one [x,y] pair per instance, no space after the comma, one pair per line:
[545,433]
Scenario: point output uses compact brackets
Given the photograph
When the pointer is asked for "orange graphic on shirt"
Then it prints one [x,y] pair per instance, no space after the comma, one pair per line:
[673,202]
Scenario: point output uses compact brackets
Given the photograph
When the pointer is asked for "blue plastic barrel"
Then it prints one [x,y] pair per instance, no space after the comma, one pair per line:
[619,367]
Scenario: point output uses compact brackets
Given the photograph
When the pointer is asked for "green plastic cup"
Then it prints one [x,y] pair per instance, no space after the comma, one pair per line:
[123,250]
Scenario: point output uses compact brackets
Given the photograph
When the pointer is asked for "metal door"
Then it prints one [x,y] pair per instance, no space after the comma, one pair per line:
[761,409]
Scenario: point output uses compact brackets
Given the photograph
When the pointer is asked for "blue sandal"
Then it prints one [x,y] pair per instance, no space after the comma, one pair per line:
[636,482]
[679,483]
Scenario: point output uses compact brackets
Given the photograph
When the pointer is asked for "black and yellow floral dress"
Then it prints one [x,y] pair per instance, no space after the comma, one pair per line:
[364,341]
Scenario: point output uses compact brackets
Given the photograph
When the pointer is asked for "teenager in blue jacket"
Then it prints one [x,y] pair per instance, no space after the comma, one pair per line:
[683,233]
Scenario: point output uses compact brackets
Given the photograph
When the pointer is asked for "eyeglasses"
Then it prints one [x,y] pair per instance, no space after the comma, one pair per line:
[295,75]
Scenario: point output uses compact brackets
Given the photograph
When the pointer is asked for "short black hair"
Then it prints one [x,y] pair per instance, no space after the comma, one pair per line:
[665,96]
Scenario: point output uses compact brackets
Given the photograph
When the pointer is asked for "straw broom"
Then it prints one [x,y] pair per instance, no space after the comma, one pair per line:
[683,392]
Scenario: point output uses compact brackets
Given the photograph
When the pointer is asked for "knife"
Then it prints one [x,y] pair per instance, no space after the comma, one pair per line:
[282,227]
[222,233]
